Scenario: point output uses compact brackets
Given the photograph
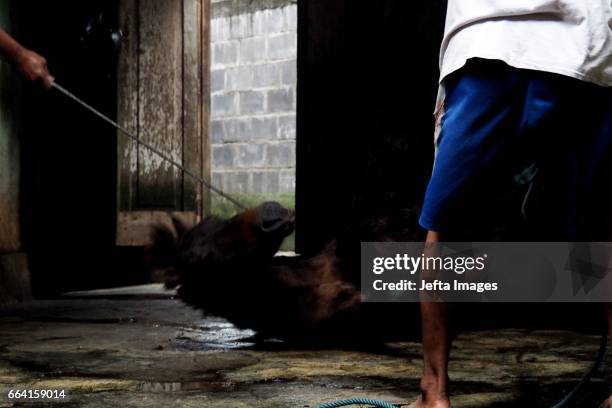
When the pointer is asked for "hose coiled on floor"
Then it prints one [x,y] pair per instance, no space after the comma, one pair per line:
[358,401]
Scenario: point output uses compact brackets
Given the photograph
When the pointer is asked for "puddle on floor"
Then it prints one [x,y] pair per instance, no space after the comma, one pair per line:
[213,334]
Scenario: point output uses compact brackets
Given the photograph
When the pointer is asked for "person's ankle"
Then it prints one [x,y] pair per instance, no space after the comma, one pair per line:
[434,388]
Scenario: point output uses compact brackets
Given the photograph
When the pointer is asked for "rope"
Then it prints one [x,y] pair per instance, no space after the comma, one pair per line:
[527,177]
[158,152]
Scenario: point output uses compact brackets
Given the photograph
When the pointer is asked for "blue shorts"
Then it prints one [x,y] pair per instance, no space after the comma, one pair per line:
[496,121]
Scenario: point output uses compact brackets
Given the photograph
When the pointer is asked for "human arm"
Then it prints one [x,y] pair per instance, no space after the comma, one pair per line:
[31,65]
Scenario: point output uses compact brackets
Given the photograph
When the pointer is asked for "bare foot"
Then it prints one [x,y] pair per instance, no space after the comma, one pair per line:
[434,394]
[607,403]
[420,403]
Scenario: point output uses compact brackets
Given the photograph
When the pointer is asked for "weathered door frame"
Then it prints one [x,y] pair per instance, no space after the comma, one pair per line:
[191,20]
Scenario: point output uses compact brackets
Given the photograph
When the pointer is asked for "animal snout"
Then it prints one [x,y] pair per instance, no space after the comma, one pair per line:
[273,217]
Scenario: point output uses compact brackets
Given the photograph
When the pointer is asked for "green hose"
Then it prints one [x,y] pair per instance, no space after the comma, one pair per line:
[359,401]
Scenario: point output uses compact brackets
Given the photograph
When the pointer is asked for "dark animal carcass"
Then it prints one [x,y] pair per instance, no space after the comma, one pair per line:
[228,268]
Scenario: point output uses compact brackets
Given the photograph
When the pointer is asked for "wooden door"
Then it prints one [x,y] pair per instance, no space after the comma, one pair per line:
[163,96]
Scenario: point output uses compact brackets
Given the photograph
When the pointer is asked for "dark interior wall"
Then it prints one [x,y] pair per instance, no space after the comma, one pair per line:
[367,83]
[69,156]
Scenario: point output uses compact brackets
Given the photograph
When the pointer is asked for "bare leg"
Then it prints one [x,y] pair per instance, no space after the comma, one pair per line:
[436,349]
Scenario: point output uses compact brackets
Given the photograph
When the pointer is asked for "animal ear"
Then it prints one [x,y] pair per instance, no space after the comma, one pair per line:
[180,226]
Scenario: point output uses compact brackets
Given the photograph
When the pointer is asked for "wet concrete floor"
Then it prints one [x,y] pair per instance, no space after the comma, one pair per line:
[156,352]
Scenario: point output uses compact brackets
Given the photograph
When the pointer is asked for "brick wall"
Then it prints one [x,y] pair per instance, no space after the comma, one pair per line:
[253,85]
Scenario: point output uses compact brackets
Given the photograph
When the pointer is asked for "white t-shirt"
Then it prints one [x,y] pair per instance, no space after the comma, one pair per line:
[567,37]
